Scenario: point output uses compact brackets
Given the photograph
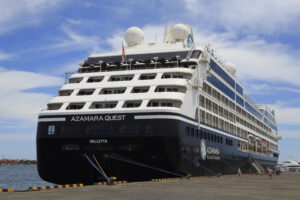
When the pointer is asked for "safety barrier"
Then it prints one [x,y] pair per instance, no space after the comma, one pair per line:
[6,190]
[114,182]
[166,179]
[56,186]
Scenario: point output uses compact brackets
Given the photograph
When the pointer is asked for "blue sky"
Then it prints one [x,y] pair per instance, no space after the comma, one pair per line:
[42,39]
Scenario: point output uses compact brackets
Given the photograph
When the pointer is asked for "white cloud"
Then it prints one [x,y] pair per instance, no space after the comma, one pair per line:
[20,13]
[287,115]
[256,16]
[16,104]
[255,58]
[268,88]
[289,134]
[74,41]
[15,81]
[5,56]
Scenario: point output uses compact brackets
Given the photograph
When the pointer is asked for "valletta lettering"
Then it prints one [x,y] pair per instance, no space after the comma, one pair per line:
[98,141]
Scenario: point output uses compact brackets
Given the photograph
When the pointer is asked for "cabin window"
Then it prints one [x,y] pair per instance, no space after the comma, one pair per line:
[147,76]
[140,89]
[177,75]
[187,131]
[112,90]
[132,104]
[51,129]
[167,88]
[95,79]
[164,103]
[121,78]
[192,132]
[103,105]
[85,92]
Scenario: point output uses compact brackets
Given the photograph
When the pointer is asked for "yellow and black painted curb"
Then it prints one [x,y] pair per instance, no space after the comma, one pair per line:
[56,186]
[166,179]
[6,190]
[114,182]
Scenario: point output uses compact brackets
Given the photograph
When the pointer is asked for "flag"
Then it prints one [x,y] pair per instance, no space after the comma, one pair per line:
[123,53]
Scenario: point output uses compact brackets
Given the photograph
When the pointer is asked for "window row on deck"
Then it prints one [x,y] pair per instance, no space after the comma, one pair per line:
[129,77]
[252,122]
[113,104]
[121,90]
[215,121]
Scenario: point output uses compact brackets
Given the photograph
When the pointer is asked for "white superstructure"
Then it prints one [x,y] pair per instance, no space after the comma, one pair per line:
[178,78]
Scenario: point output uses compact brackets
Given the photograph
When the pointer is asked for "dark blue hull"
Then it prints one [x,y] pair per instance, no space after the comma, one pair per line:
[175,145]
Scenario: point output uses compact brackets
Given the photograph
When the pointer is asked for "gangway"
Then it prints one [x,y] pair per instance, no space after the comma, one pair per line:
[257,166]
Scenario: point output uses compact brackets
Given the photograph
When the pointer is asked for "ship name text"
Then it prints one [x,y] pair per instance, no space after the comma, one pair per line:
[213,153]
[97,118]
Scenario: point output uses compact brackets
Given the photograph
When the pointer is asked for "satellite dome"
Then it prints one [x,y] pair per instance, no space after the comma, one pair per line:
[134,36]
[180,32]
[230,67]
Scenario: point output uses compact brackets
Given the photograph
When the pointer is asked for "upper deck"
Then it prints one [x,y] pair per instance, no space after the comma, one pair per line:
[157,77]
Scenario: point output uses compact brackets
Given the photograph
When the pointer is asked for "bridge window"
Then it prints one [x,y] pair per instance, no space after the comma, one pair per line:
[75,106]
[54,106]
[75,80]
[65,92]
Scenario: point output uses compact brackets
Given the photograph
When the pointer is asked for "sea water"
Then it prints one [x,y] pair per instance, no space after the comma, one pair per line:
[20,177]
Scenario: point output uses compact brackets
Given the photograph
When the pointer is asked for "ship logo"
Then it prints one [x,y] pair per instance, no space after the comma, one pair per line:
[190,41]
[203,149]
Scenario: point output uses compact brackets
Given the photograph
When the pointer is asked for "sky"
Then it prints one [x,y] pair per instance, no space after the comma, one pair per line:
[40,40]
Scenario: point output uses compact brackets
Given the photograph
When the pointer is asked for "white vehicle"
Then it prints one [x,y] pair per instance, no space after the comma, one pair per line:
[289,166]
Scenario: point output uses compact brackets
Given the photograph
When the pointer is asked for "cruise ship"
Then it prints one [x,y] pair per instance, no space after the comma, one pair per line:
[151,111]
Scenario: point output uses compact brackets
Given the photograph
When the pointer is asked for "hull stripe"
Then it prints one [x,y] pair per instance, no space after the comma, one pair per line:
[61,119]
[187,121]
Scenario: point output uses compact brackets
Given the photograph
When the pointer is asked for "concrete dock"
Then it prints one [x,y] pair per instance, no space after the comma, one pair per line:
[231,187]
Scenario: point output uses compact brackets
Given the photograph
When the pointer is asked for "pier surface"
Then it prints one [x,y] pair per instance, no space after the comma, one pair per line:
[233,187]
